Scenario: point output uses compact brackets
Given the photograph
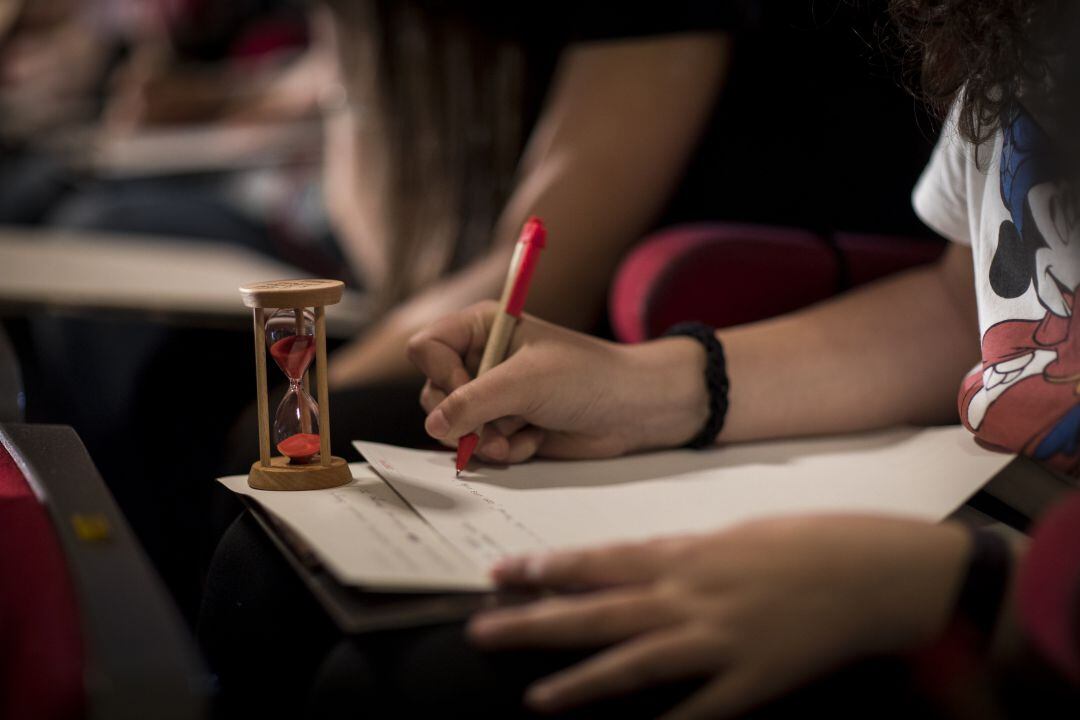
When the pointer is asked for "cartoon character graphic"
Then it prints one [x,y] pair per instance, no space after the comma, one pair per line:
[1027,396]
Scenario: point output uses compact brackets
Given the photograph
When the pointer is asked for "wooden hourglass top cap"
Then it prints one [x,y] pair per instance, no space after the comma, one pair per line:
[292,293]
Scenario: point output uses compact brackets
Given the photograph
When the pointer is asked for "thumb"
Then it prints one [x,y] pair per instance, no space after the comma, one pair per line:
[498,393]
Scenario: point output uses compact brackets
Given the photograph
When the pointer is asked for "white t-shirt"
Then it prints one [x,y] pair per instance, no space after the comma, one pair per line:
[1000,198]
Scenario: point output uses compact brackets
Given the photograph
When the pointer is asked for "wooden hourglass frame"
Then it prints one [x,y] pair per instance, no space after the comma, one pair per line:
[280,472]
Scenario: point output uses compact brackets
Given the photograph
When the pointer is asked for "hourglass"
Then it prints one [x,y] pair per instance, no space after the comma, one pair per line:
[290,324]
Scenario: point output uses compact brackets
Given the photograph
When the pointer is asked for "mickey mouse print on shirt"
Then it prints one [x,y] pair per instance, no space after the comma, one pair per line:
[1004,201]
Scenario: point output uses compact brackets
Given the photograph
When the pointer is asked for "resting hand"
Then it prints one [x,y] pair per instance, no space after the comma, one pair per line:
[754,611]
[559,393]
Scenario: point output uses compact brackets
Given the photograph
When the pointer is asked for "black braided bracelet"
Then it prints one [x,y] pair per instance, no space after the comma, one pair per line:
[985,583]
[716,379]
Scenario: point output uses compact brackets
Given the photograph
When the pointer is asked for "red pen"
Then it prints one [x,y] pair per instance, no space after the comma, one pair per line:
[522,265]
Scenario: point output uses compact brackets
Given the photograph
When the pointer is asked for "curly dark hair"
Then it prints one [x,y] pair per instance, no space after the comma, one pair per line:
[983,54]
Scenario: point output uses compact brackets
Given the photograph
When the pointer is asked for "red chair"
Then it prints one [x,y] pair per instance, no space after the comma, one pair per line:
[727,275]
[86,627]
[41,652]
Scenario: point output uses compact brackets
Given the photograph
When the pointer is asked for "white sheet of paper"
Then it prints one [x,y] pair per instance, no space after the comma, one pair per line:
[493,511]
[368,537]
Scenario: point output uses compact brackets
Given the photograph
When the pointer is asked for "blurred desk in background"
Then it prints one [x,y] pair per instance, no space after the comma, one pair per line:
[171,280]
[198,149]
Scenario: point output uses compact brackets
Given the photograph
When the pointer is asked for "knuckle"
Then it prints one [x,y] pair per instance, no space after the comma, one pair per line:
[670,592]
[463,396]
[480,312]
[452,407]
[455,405]
[558,567]
[686,551]
[414,348]
[578,564]
[458,377]
[428,397]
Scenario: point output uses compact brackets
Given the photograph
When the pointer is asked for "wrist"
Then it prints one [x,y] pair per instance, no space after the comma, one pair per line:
[668,378]
[918,608]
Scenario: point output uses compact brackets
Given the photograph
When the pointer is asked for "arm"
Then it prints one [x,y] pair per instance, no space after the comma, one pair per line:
[607,151]
[888,353]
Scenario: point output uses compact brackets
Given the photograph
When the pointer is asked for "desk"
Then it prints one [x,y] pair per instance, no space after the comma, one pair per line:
[191,149]
[164,279]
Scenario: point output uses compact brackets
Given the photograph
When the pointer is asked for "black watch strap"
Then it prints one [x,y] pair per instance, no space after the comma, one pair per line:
[985,584]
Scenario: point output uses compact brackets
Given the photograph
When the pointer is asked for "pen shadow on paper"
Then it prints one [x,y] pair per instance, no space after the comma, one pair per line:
[669,464]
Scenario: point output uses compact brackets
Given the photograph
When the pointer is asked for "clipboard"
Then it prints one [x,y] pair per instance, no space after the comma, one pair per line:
[356,611]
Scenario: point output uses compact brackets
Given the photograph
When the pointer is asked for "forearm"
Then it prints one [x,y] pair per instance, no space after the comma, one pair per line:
[891,353]
[588,231]
[379,354]
[615,133]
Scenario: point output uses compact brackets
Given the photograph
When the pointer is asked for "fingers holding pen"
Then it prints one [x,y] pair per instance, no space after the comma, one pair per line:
[506,440]
[441,363]
[448,352]
[511,447]
[494,395]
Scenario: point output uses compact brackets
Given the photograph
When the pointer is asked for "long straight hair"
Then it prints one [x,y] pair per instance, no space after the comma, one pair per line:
[450,100]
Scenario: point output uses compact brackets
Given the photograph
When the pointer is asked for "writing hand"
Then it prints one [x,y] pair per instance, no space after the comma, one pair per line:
[559,393]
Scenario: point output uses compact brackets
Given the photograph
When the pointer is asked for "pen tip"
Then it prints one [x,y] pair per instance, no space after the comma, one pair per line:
[457,473]
[466,445]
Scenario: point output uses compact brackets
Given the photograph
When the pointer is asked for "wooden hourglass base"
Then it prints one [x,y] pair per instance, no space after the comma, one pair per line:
[281,475]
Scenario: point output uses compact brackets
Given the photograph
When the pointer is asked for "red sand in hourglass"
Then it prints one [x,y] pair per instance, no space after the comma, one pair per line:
[293,354]
[299,448]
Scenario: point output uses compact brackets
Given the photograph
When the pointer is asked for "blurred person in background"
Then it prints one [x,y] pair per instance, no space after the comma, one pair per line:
[146,67]
[82,83]
[459,120]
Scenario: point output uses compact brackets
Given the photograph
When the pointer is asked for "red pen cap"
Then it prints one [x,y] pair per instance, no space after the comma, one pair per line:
[533,238]
[533,232]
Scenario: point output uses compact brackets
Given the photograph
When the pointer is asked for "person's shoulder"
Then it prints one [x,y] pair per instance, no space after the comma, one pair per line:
[952,180]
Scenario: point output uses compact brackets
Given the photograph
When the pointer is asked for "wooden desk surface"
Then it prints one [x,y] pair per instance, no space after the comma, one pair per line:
[168,279]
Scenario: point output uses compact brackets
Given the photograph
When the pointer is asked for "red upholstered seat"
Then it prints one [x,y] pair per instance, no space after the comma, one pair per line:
[41,646]
[731,274]
[869,257]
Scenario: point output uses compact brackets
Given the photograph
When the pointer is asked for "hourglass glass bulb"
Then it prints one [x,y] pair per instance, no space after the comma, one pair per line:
[290,334]
[296,426]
